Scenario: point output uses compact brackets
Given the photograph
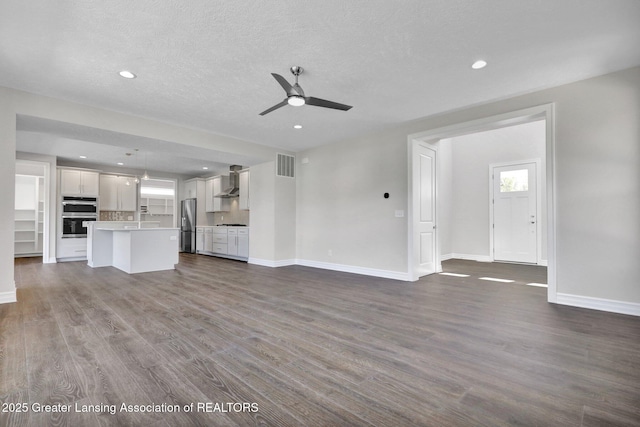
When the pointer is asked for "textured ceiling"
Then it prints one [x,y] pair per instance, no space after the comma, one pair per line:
[206,64]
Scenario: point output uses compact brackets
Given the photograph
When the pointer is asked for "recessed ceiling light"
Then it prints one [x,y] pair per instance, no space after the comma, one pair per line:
[479,64]
[205,168]
[83,157]
[297,126]
[120,164]
[127,74]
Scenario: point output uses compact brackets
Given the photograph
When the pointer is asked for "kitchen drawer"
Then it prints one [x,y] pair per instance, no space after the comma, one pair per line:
[242,231]
[208,230]
[220,248]
[219,230]
[220,238]
[232,231]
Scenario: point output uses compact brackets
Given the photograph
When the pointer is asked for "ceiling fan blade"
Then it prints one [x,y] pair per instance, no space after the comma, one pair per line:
[310,100]
[286,85]
[275,107]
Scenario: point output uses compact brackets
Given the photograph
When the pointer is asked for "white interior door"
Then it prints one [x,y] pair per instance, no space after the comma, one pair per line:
[515,226]
[424,210]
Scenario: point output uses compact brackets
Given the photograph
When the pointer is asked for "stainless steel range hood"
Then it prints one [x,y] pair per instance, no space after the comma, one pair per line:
[234,182]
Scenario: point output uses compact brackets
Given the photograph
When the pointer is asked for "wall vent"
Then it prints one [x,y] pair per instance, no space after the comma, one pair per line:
[284,165]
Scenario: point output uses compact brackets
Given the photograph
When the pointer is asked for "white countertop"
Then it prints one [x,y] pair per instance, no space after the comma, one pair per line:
[134,229]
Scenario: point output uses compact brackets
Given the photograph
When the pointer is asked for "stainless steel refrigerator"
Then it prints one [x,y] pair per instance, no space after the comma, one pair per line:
[188,226]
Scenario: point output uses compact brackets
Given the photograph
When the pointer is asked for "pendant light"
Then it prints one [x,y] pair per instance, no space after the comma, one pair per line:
[145,177]
[135,178]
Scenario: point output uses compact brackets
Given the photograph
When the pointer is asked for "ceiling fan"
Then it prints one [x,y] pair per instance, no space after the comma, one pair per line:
[296,96]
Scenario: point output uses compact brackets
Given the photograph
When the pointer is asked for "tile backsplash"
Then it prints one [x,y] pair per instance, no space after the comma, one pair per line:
[233,216]
[117,216]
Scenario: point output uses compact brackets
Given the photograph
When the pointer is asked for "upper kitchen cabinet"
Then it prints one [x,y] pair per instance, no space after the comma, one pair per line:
[79,182]
[118,193]
[243,202]
[214,186]
[193,188]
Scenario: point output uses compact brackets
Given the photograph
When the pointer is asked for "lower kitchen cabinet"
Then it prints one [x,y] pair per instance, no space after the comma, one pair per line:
[223,241]
[199,239]
[238,242]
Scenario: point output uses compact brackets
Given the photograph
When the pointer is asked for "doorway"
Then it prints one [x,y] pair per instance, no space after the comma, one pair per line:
[542,113]
[31,214]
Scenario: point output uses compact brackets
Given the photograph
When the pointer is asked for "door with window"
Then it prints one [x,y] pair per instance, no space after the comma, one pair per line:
[515,222]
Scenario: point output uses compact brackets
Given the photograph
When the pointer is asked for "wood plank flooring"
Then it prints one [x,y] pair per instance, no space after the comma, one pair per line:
[310,347]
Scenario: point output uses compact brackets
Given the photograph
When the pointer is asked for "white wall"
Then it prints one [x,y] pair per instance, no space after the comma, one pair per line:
[444,189]
[340,203]
[341,207]
[7,177]
[472,155]
[262,231]
[273,217]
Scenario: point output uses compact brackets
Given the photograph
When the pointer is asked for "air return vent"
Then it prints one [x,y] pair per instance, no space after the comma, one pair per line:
[284,165]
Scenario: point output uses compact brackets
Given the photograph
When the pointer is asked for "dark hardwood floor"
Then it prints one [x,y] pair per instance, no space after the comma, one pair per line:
[309,347]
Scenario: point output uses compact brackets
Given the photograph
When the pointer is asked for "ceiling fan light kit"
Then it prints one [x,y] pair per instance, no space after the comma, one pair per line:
[296,96]
[296,101]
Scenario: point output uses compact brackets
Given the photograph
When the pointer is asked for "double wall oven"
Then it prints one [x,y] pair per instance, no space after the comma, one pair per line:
[75,212]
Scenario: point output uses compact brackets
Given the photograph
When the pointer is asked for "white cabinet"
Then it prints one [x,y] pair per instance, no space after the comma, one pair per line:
[199,239]
[208,239]
[243,243]
[195,188]
[214,186]
[232,241]
[208,198]
[108,193]
[127,194]
[79,182]
[223,241]
[72,249]
[117,193]
[243,197]
[190,189]
[238,241]
[220,240]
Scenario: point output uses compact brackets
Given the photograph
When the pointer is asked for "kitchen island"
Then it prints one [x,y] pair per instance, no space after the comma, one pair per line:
[133,247]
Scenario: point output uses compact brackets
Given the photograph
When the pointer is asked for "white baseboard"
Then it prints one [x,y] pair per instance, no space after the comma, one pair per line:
[8,297]
[397,275]
[470,257]
[386,274]
[479,258]
[613,306]
[51,260]
[271,263]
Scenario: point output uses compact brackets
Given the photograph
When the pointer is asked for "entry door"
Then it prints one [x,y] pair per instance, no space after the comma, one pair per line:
[424,210]
[515,226]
